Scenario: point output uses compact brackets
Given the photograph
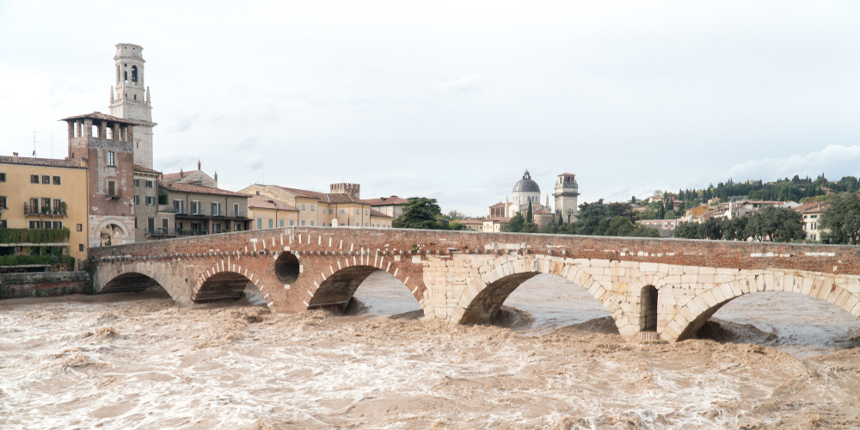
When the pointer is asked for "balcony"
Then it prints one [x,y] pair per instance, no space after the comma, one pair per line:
[46,211]
[161,233]
[113,195]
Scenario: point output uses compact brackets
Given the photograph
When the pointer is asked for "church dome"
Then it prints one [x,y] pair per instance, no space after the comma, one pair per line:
[526,185]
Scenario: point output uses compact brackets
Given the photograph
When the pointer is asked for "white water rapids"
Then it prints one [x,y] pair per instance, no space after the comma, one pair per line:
[137,361]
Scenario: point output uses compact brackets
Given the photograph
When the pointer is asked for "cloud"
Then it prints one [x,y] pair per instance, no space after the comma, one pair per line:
[183,123]
[467,84]
[835,161]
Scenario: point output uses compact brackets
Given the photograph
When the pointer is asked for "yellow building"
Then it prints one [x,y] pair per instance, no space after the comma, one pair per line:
[45,193]
[266,212]
[342,207]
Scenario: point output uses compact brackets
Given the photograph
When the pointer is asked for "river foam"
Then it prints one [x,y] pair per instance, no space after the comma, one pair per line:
[138,361]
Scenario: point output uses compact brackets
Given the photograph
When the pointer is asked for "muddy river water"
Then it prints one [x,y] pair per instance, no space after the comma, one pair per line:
[137,361]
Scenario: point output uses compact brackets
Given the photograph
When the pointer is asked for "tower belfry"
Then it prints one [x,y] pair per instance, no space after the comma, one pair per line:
[131,99]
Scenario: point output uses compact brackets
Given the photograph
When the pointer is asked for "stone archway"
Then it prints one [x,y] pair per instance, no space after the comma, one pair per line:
[696,311]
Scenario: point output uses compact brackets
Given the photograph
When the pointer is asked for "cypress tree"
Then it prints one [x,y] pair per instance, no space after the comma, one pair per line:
[529,213]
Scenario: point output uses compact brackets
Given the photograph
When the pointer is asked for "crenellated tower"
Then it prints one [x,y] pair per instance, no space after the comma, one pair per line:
[130,99]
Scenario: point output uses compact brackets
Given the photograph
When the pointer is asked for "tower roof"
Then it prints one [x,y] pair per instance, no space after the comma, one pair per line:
[526,185]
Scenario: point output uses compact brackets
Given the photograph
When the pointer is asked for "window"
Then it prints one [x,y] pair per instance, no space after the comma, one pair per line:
[58,206]
[3,202]
[35,224]
[303,223]
[312,208]
[341,211]
[282,223]
[46,179]
[259,223]
[216,209]
[236,210]
[34,179]
[2,177]
[111,159]
[365,211]
[312,223]
[111,188]
[179,207]
[58,225]
[150,201]
[303,207]
[195,208]
[331,211]
[148,184]
[46,206]
[34,206]
[81,247]
[56,180]
[164,222]
[136,200]
[3,223]
[80,228]
[137,182]
[291,222]
[270,223]
[357,212]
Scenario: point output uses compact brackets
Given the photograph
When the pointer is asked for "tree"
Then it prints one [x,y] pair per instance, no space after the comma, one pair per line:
[842,219]
[529,215]
[775,224]
[516,223]
[419,213]
[454,215]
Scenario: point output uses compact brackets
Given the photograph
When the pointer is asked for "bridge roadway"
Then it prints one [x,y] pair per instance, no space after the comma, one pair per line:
[667,286]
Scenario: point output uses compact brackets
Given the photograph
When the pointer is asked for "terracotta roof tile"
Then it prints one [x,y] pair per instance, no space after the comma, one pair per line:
[376,213]
[138,168]
[199,189]
[47,162]
[263,202]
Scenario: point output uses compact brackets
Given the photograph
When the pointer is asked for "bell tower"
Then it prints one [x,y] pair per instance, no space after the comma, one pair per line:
[566,195]
[129,99]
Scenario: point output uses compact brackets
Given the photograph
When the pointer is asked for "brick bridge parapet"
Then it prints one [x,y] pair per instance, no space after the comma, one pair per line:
[669,286]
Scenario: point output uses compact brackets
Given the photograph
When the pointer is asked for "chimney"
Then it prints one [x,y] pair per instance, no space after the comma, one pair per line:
[14,157]
[198,164]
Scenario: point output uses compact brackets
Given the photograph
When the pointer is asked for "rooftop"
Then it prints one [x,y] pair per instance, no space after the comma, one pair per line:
[386,201]
[102,117]
[323,197]
[376,213]
[199,189]
[46,162]
[139,168]
[263,202]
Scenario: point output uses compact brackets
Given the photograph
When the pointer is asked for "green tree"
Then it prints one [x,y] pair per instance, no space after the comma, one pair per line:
[529,215]
[842,219]
[516,223]
[775,224]
[420,213]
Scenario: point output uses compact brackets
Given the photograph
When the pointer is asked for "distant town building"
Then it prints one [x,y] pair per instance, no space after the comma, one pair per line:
[812,219]
[341,207]
[526,191]
[391,206]
[266,212]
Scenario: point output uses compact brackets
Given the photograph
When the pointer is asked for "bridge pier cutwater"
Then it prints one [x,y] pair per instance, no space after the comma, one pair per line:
[667,286]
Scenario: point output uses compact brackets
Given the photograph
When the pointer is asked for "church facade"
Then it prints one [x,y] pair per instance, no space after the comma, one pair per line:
[526,191]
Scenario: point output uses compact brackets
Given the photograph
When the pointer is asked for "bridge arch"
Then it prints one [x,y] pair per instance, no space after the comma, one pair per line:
[484,296]
[226,285]
[695,312]
[335,290]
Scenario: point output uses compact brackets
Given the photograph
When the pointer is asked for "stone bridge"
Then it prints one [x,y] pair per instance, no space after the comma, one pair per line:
[669,287]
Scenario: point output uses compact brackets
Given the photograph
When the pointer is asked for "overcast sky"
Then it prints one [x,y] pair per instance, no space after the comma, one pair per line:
[453,100]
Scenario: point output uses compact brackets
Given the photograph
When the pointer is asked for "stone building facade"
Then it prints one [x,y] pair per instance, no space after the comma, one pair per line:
[105,144]
[130,99]
[566,197]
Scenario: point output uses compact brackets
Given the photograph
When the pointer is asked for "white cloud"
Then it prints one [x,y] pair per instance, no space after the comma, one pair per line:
[467,84]
[835,161]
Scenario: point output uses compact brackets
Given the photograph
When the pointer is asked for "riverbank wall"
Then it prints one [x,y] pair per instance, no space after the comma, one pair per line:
[44,284]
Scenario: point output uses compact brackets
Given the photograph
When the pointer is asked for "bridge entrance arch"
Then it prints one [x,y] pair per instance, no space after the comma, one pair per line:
[130,282]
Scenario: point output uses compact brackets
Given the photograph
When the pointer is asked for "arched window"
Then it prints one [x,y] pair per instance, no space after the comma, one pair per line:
[134,73]
[125,76]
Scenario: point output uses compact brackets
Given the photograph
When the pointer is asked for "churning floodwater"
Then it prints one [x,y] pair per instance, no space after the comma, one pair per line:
[137,361]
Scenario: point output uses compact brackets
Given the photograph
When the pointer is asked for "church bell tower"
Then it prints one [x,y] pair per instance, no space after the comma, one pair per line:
[129,99]
[566,195]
